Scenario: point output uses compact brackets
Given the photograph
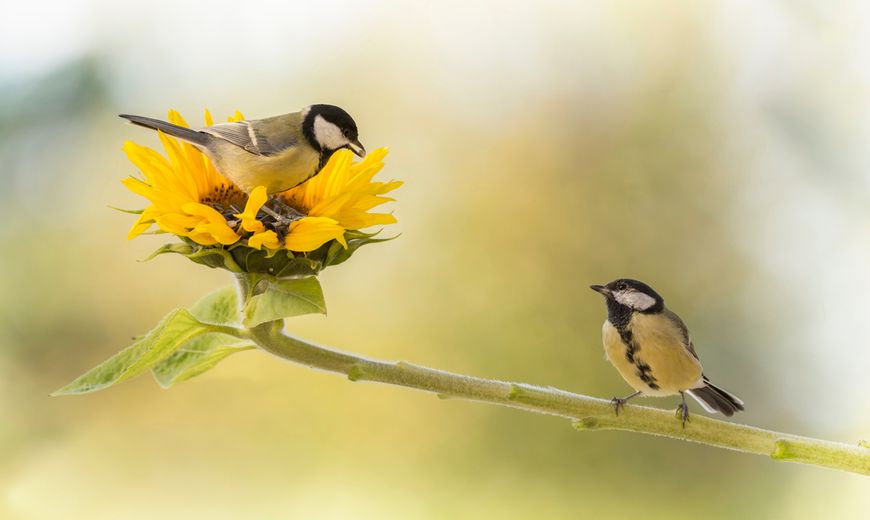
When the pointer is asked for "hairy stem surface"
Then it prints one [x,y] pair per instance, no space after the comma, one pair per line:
[587,413]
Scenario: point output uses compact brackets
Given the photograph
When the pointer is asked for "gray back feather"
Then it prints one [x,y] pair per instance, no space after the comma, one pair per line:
[266,137]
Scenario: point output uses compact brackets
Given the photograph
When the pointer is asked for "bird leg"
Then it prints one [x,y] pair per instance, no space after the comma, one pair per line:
[286,208]
[229,214]
[619,402]
[683,410]
[279,218]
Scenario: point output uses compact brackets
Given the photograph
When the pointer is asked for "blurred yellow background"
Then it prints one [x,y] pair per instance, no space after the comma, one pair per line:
[716,150]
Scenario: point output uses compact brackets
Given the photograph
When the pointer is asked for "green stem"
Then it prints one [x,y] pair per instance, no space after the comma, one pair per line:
[249,285]
[588,413]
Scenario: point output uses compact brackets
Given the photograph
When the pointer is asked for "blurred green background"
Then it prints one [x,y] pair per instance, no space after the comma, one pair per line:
[716,150]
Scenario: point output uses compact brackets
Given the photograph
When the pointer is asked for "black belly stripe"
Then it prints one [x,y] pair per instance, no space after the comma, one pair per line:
[644,371]
[645,375]
[627,340]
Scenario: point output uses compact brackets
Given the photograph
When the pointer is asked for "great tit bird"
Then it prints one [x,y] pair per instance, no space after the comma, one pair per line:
[277,152]
[650,347]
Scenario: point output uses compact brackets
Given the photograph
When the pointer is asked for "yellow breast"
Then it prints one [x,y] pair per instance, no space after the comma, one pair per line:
[277,173]
[658,363]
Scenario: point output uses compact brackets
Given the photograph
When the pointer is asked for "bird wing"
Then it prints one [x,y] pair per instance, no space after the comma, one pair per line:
[687,342]
[691,349]
[251,136]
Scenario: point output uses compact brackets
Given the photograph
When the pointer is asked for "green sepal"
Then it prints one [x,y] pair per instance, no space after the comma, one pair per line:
[130,211]
[239,258]
[177,247]
[284,298]
[173,331]
[337,254]
[280,264]
[214,257]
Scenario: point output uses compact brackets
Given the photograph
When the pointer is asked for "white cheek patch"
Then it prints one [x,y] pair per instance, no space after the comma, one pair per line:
[328,135]
[634,300]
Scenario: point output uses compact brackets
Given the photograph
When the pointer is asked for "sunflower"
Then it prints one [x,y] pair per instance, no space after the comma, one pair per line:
[191,199]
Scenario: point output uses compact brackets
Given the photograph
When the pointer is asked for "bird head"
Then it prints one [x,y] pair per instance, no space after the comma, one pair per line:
[633,294]
[330,128]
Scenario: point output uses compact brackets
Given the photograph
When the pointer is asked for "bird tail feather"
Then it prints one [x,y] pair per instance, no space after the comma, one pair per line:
[714,399]
[186,134]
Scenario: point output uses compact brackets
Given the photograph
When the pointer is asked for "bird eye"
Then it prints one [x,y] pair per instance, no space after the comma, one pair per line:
[621,287]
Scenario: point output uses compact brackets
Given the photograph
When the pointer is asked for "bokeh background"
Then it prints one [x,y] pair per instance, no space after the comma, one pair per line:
[717,150]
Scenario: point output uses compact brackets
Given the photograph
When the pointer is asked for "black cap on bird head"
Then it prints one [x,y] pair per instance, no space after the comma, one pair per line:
[329,128]
[632,294]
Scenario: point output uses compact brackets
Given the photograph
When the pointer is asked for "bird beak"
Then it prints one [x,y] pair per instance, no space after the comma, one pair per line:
[356,147]
[600,288]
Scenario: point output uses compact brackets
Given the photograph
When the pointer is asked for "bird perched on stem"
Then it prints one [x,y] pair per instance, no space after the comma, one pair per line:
[650,347]
[277,152]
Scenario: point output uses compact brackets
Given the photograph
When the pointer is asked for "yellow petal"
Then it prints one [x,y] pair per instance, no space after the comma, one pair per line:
[141,188]
[362,172]
[175,224]
[142,224]
[193,158]
[253,226]
[368,202]
[205,239]
[210,214]
[309,233]
[220,232]
[215,224]
[374,158]
[267,239]
[179,166]
[331,207]
[175,118]
[362,220]
[150,163]
[256,200]
[137,230]
[180,221]
[340,174]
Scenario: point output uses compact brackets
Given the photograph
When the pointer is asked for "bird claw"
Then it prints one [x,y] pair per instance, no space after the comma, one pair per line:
[682,413]
[618,403]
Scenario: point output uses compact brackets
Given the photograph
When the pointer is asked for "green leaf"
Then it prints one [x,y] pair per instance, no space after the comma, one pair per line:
[202,353]
[173,331]
[220,307]
[197,356]
[284,298]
